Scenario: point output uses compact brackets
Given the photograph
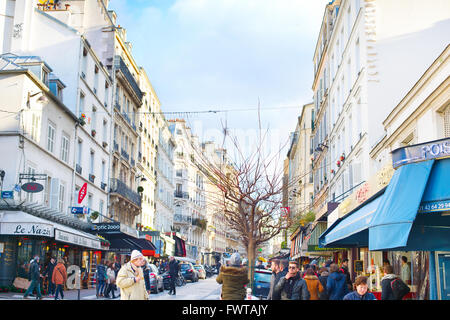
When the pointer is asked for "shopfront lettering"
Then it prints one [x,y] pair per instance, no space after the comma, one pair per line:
[421,152]
[32,229]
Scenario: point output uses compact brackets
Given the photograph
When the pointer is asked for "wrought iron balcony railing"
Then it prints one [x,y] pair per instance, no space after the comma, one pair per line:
[118,186]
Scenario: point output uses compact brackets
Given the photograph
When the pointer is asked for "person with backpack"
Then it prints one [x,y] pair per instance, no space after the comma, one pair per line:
[336,283]
[392,287]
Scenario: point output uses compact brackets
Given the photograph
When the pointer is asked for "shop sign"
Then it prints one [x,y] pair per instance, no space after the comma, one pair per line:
[105,228]
[27,228]
[421,152]
[82,193]
[313,248]
[367,190]
[7,195]
[32,187]
[434,206]
[76,239]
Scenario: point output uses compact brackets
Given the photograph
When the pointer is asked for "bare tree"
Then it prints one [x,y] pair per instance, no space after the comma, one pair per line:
[248,192]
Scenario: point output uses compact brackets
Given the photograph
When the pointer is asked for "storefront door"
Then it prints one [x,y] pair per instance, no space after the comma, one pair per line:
[444,275]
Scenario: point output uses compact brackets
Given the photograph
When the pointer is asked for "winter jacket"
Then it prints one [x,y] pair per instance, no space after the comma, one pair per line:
[386,289]
[336,286]
[59,274]
[299,288]
[129,288]
[101,272]
[34,273]
[174,268]
[111,276]
[314,287]
[348,280]
[323,280]
[49,270]
[272,284]
[233,279]
[355,296]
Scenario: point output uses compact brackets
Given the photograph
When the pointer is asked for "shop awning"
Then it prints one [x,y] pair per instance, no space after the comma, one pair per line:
[352,229]
[121,245]
[391,223]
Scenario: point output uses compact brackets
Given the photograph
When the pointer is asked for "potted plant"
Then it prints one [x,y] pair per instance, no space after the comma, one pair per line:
[338,163]
[94,215]
[105,144]
[93,132]
[342,158]
[332,171]
[140,189]
[82,119]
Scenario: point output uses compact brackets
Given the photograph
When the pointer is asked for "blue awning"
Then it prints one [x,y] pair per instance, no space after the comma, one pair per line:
[352,229]
[392,222]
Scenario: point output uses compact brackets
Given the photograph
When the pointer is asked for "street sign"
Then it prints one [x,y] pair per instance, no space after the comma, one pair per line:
[80,210]
[7,195]
[32,187]
[82,192]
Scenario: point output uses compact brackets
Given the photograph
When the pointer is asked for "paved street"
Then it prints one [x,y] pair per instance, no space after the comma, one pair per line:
[207,289]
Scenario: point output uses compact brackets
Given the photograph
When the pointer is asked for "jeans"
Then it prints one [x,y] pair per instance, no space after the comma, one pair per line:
[33,285]
[51,288]
[100,286]
[110,287]
[59,289]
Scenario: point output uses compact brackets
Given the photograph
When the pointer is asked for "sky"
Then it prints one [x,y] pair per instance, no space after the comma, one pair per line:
[205,55]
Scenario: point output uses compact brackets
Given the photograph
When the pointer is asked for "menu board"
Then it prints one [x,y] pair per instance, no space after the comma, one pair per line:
[359,266]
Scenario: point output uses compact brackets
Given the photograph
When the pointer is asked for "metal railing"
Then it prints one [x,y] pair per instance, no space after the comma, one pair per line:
[180,194]
[344,195]
[120,65]
[118,186]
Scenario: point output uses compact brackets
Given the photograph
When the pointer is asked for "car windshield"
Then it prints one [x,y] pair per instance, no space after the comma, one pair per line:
[262,277]
[198,267]
[185,266]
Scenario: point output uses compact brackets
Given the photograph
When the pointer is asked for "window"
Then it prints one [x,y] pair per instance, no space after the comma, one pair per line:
[62,190]
[179,173]
[35,120]
[91,166]
[80,150]
[51,133]
[96,77]
[65,148]
[81,106]
[103,171]
[446,116]
[89,204]
[94,118]
[105,130]
[100,207]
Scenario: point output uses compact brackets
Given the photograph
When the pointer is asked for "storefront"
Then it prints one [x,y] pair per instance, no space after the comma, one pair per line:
[23,236]
[410,217]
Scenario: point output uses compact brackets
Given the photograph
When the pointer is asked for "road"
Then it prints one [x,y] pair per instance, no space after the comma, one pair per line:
[207,289]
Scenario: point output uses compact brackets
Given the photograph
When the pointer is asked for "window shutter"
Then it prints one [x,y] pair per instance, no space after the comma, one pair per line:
[54,194]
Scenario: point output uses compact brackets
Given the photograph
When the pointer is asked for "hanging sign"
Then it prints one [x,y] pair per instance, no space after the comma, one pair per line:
[82,192]
[32,187]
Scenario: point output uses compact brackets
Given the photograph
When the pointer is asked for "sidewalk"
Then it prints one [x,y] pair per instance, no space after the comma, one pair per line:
[85,294]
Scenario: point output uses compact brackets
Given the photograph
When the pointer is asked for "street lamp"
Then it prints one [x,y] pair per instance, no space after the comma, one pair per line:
[320,147]
[41,100]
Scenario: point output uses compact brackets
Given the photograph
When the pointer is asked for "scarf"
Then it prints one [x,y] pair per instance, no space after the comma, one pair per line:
[289,286]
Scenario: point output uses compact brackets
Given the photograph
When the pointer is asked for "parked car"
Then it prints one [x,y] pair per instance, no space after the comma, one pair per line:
[156,279]
[261,285]
[201,271]
[188,271]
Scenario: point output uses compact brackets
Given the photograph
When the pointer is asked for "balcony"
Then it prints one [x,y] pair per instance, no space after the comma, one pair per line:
[122,67]
[125,155]
[119,187]
[78,169]
[180,194]
[91,178]
[182,218]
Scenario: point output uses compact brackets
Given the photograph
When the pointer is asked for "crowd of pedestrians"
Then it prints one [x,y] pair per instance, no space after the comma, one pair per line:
[331,282]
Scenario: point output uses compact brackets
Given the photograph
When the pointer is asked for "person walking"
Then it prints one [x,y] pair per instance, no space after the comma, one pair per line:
[110,281]
[34,276]
[313,284]
[344,270]
[233,279]
[292,286]
[48,274]
[275,266]
[59,277]
[323,277]
[146,270]
[361,291]
[101,278]
[174,268]
[336,284]
[130,278]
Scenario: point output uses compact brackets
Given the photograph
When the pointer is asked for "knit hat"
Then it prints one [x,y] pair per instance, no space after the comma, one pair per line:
[235,259]
[135,254]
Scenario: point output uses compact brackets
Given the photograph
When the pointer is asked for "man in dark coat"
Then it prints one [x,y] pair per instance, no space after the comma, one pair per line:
[35,277]
[173,272]
[48,274]
[275,266]
[344,270]
[336,284]
[386,289]
[292,286]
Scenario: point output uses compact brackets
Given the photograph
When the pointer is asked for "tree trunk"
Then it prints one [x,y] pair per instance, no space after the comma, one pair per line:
[251,253]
